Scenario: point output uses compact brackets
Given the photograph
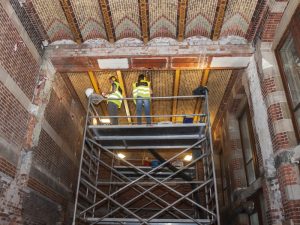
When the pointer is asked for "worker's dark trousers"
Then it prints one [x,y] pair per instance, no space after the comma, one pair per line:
[113,111]
[140,102]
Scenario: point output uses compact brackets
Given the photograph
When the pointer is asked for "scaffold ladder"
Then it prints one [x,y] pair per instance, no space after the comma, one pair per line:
[114,190]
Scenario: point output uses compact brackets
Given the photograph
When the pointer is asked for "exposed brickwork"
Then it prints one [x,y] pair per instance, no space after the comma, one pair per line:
[15,57]
[270,26]
[46,191]
[7,168]
[49,156]
[288,175]
[37,208]
[26,21]
[65,126]
[13,117]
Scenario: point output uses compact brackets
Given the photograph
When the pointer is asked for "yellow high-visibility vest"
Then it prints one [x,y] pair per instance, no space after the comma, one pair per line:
[141,90]
[115,97]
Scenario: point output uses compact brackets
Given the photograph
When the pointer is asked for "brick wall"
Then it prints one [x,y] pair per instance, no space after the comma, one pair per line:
[28,23]
[43,195]
[13,118]
[15,56]
[56,157]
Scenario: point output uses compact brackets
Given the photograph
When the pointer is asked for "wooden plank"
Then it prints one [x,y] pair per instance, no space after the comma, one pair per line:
[97,89]
[70,16]
[105,10]
[144,18]
[175,93]
[219,18]
[181,19]
[120,78]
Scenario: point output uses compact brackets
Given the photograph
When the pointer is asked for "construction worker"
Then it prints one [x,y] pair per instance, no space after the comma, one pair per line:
[114,99]
[141,94]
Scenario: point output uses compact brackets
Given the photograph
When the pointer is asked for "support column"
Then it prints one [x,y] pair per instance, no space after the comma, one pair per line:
[13,195]
[235,156]
[263,134]
[270,108]
[283,137]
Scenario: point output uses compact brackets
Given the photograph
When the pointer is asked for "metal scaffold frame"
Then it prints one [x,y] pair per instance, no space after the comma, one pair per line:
[112,190]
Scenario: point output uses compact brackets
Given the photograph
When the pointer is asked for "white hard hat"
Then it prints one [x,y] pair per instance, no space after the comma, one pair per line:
[89,91]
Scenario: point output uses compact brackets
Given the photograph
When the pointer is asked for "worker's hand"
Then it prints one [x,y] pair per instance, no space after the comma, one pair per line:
[104,94]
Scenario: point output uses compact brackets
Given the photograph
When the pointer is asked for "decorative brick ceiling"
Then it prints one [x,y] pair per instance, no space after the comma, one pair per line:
[112,20]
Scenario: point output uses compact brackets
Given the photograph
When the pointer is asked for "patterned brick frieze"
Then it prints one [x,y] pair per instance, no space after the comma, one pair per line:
[82,20]
[53,19]
[199,20]
[89,18]
[238,17]
[125,18]
[163,18]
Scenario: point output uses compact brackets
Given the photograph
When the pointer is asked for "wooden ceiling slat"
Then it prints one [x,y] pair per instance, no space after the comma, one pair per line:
[97,89]
[144,19]
[120,78]
[106,14]
[219,18]
[181,19]
[175,93]
[73,24]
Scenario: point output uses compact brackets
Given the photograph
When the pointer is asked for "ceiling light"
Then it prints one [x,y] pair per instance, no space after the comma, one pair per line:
[105,120]
[188,158]
[121,156]
[95,122]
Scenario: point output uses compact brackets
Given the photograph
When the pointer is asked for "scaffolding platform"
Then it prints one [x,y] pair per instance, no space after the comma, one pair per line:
[155,136]
[159,174]
[113,190]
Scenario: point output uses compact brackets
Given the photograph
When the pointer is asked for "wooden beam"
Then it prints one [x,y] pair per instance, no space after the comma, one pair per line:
[97,89]
[94,82]
[219,18]
[121,82]
[106,14]
[144,19]
[181,19]
[175,93]
[73,24]
[204,79]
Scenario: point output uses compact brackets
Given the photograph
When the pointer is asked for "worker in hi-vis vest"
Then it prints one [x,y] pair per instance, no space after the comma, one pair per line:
[141,94]
[114,100]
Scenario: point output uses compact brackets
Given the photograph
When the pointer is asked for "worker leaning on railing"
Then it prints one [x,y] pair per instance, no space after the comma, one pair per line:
[142,95]
[114,99]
